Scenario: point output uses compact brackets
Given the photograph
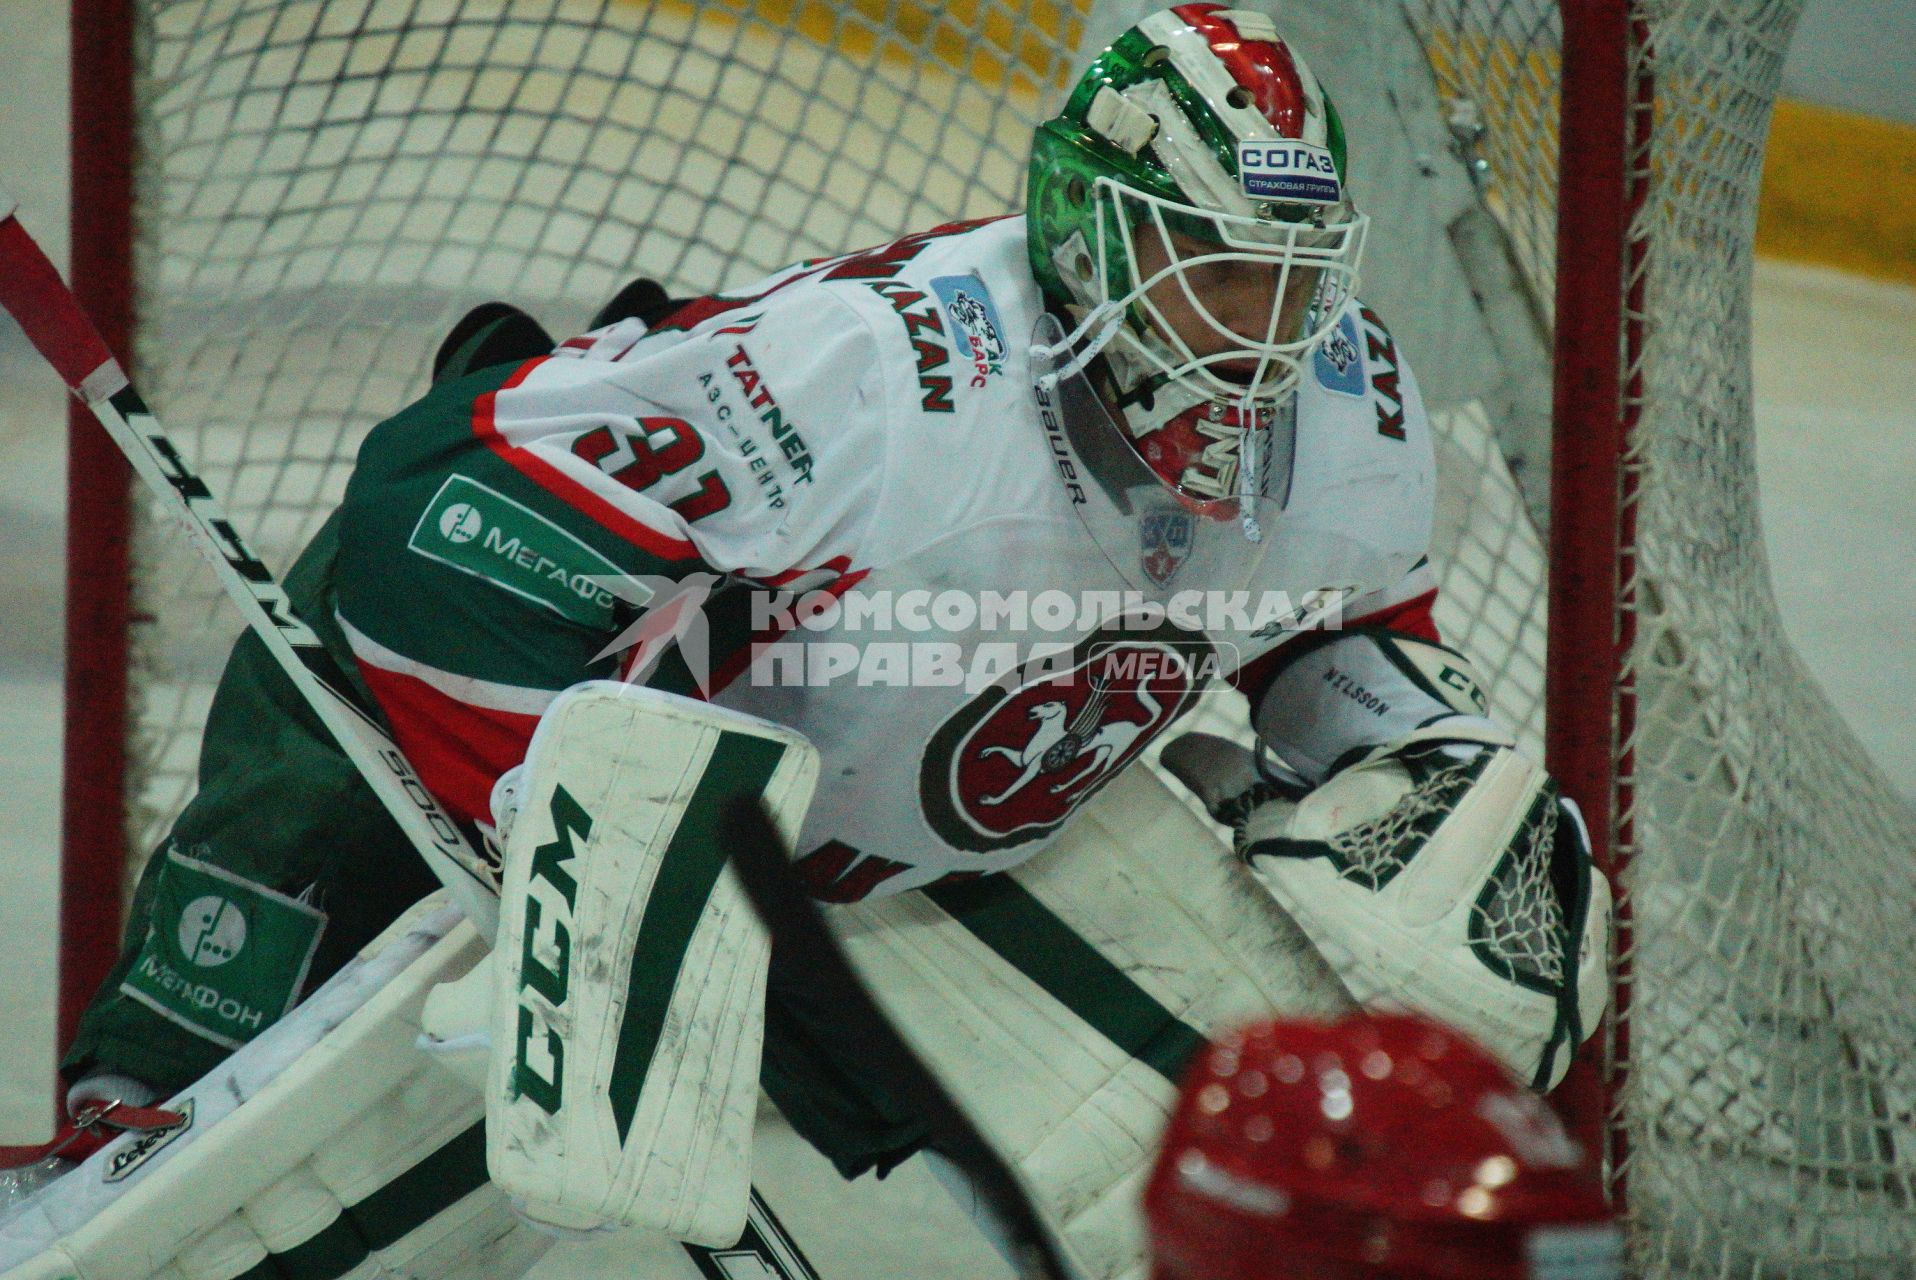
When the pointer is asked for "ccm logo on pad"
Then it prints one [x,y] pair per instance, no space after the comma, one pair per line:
[545,963]
[1288,170]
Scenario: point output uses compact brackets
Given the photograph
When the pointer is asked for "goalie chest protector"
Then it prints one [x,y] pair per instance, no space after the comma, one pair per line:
[871,423]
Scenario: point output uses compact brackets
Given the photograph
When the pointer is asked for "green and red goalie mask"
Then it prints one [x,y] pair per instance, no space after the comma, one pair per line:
[1188,210]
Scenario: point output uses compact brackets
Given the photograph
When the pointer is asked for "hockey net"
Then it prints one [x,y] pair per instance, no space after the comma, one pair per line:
[324,186]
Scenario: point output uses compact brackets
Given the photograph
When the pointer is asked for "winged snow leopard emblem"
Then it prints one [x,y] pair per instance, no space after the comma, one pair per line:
[1012,764]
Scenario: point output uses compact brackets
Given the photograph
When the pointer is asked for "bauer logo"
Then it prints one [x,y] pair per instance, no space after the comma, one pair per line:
[127,1161]
[212,931]
[1287,170]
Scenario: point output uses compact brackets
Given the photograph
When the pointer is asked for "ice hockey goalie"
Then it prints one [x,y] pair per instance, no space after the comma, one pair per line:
[930,542]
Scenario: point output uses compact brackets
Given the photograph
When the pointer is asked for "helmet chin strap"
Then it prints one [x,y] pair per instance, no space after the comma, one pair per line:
[1250,466]
[1102,323]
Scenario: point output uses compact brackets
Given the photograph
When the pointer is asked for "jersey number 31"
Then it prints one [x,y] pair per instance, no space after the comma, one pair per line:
[661,447]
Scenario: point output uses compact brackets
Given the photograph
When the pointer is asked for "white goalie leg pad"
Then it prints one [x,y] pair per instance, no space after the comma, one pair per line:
[628,1015]
[330,1145]
[1058,1001]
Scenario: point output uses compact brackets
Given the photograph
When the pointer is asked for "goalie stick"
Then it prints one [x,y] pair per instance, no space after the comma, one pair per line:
[764,868]
[32,292]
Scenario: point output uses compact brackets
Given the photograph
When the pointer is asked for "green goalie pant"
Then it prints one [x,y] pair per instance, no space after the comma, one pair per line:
[285,864]
[279,870]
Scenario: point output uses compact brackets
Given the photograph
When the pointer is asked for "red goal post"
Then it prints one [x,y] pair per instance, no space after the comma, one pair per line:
[1607,109]
[99,582]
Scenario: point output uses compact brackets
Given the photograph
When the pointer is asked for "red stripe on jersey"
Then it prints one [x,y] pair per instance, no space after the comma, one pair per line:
[740,659]
[564,487]
[836,872]
[880,262]
[1264,67]
[1411,617]
[457,749]
[837,564]
[698,310]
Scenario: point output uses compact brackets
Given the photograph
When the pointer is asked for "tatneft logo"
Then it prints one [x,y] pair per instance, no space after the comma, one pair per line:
[212,931]
[460,523]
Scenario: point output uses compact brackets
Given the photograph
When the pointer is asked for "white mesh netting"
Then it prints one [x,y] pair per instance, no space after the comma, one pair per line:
[1765,1118]
[325,185]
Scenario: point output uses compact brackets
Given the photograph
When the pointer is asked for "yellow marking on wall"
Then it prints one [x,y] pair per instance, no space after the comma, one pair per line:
[1839,190]
[1025,47]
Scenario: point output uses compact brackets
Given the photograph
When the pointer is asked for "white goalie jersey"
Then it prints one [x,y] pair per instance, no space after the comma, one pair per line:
[859,441]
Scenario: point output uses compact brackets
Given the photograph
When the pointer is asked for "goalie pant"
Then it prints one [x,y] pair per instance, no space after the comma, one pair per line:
[500,535]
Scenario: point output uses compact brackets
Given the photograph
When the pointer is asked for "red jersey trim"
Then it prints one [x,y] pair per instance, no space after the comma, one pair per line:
[740,660]
[564,487]
[458,750]
[837,564]
[1410,617]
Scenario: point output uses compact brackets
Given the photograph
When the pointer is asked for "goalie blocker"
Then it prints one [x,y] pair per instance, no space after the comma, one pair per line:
[1436,867]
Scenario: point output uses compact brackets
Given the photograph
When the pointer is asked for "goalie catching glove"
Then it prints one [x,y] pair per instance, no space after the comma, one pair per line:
[1434,866]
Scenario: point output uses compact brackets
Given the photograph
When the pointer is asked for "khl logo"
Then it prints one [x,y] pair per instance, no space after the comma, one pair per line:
[460,523]
[212,931]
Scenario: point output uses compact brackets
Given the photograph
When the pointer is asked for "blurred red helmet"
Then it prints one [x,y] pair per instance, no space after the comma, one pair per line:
[1371,1147]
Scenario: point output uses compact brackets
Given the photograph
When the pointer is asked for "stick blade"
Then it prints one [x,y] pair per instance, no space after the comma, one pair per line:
[763,864]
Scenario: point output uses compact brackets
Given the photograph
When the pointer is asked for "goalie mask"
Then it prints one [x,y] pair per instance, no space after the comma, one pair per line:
[1372,1147]
[1188,212]
[1162,542]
